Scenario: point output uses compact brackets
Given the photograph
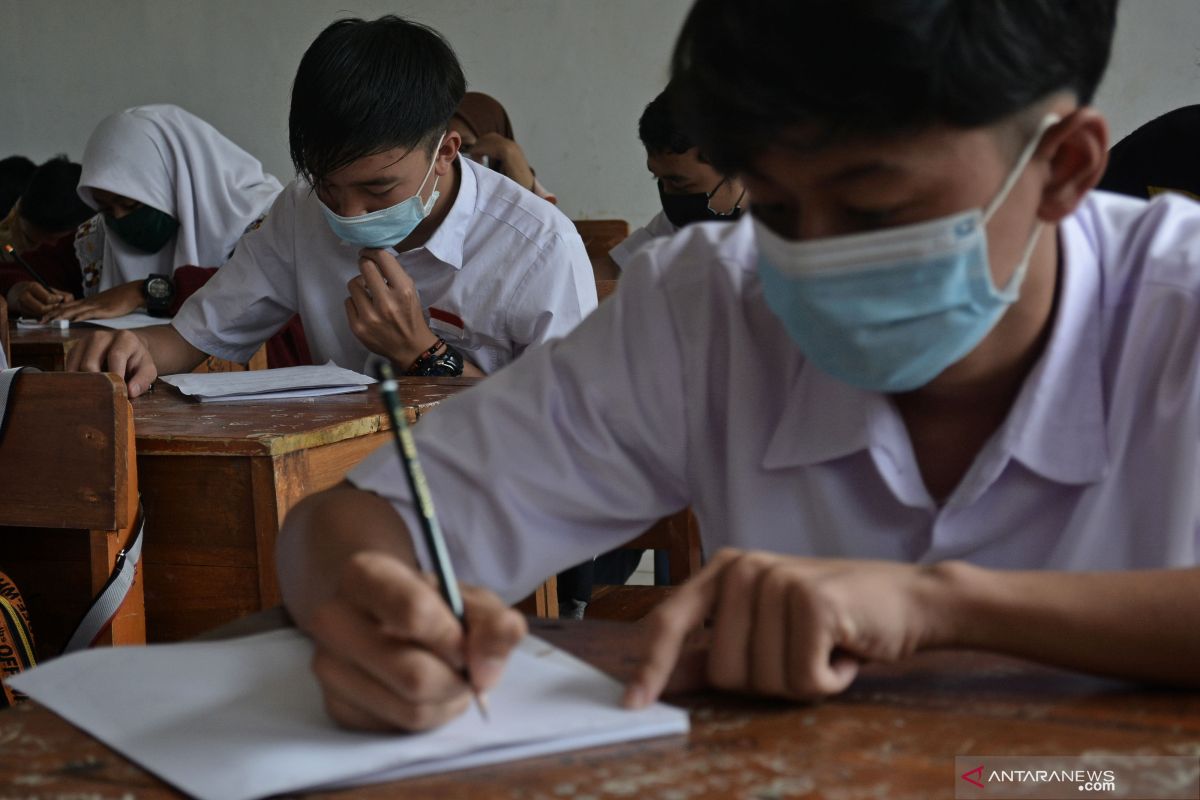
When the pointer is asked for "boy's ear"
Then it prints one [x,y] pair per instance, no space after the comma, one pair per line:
[1077,148]
[451,145]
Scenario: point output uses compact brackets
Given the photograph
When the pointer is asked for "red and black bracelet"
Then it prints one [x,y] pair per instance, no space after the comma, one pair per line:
[426,359]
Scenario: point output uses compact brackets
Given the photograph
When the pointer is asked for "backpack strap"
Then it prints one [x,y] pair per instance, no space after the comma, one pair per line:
[109,599]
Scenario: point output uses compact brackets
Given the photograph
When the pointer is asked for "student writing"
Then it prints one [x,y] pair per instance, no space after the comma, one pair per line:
[171,191]
[932,392]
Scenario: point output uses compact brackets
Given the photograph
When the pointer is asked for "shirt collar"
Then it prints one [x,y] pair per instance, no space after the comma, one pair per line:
[446,242]
[1056,427]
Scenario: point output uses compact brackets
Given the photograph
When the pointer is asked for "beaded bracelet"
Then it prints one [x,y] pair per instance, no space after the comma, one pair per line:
[427,356]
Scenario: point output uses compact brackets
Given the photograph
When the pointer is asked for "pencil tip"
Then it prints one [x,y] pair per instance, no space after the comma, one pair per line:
[481,701]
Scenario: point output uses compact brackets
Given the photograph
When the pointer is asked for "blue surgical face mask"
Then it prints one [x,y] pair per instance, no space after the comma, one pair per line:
[888,311]
[387,226]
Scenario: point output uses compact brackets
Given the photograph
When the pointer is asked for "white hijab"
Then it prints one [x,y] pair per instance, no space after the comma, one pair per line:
[173,161]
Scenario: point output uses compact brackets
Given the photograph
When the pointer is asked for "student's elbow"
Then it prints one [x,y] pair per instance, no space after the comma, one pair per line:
[325,530]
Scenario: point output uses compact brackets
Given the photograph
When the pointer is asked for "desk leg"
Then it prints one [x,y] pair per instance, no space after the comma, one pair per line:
[277,485]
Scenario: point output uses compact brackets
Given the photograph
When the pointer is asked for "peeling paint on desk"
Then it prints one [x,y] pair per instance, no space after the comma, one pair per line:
[783,787]
[35,779]
[14,735]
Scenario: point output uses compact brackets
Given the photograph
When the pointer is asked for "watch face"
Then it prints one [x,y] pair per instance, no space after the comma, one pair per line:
[157,288]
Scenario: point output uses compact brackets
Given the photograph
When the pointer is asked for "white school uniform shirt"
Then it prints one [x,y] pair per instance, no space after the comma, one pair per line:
[683,388]
[505,270]
[656,228]
[171,160]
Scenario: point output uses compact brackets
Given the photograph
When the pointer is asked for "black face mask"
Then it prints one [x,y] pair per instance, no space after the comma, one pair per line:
[684,209]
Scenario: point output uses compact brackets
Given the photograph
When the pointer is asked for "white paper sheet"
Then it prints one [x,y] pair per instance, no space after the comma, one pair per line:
[243,718]
[134,320]
[269,384]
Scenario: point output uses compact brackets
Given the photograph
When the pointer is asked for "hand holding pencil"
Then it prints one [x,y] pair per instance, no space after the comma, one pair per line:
[36,297]
[391,647]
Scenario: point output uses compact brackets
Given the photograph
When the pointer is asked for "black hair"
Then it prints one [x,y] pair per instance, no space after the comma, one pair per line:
[659,128]
[15,172]
[365,87]
[751,69]
[51,201]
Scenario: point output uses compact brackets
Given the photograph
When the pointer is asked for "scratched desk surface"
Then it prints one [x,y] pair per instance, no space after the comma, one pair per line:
[168,423]
[893,735]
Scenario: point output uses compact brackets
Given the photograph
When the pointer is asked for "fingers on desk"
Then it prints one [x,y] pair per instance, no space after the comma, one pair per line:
[771,634]
[76,312]
[122,353]
[669,625]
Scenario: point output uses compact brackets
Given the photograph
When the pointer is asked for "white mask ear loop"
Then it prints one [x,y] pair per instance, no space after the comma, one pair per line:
[426,205]
[1022,161]
[1014,283]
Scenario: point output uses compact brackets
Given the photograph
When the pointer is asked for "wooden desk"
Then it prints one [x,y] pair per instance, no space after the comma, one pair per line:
[893,735]
[218,478]
[47,349]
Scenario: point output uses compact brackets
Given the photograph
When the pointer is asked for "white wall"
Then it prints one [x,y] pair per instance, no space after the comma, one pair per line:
[574,74]
[1155,64]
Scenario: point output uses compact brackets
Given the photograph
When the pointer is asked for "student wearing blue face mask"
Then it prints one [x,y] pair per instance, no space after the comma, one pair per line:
[933,392]
[388,243]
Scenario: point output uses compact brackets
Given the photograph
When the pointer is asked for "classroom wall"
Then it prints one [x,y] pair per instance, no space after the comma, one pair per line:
[1155,64]
[574,74]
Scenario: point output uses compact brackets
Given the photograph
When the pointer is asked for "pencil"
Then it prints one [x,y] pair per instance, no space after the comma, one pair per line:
[33,273]
[435,544]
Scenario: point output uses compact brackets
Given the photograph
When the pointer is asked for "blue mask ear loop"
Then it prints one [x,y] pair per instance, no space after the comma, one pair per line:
[1010,290]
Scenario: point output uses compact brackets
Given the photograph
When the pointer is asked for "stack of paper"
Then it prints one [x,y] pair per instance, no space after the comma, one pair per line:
[243,718]
[269,384]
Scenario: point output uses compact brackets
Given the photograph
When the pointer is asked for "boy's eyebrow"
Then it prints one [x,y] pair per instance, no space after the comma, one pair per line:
[382,180]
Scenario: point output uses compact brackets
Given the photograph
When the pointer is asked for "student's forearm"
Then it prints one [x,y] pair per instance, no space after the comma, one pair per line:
[1143,625]
[322,533]
[171,353]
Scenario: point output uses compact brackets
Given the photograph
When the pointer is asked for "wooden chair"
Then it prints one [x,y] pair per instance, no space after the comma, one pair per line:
[678,538]
[675,541]
[601,235]
[67,462]
[604,289]
[5,346]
